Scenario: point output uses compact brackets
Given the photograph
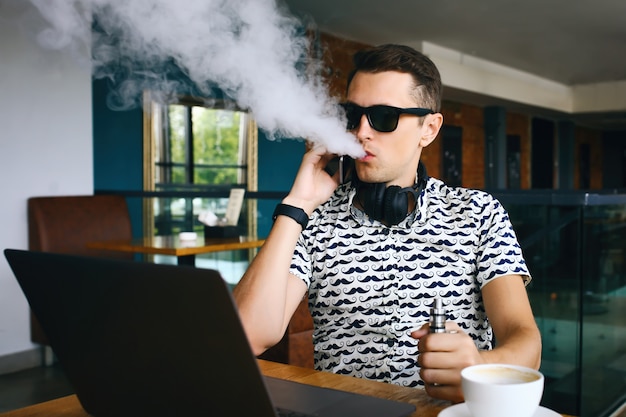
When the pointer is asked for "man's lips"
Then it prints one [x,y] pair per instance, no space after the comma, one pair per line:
[367,157]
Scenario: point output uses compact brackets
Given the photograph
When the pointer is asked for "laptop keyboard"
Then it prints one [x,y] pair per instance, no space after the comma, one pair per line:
[290,413]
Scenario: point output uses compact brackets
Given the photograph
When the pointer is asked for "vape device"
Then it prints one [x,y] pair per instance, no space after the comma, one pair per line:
[437,317]
[341,174]
[341,164]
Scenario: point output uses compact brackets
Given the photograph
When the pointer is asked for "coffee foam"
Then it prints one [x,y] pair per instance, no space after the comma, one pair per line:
[502,375]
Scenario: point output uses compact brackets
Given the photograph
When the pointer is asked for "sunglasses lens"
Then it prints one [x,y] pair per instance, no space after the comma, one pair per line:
[353,115]
[383,118]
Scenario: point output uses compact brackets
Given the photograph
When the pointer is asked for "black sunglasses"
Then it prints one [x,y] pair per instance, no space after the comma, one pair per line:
[380,117]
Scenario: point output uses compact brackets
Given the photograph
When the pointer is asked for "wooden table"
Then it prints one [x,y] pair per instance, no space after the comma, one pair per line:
[424,405]
[185,251]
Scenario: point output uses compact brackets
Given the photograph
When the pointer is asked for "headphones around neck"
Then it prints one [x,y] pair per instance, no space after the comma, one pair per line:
[389,204]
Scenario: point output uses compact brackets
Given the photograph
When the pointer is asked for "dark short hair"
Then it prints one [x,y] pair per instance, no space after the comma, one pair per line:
[401,58]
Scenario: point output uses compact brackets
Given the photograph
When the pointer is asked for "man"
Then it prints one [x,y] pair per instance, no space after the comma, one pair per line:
[372,254]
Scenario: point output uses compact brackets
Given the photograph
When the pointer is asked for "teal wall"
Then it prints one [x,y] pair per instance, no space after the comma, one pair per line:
[117,150]
[118,144]
[279,161]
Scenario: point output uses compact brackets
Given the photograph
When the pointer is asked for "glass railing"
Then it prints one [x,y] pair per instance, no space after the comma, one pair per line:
[575,247]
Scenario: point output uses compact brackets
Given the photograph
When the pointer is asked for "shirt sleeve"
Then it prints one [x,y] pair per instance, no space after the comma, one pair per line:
[301,261]
[499,253]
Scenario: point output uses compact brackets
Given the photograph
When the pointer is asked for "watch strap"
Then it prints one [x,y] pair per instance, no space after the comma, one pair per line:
[296,213]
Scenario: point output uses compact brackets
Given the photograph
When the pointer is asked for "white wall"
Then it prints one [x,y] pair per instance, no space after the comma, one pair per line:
[45,149]
[487,78]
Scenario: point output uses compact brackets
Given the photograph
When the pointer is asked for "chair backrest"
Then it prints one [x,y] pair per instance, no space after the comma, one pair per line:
[64,224]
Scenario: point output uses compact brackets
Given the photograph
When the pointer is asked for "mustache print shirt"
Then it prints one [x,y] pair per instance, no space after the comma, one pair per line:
[370,285]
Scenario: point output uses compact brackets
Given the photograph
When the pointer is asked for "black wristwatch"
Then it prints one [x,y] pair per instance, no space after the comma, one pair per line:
[295,213]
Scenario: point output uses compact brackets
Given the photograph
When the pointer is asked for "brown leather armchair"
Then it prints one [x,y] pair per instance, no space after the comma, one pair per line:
[296,346]
[64,224]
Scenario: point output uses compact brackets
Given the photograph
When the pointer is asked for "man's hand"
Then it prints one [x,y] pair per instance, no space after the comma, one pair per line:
[313,185]
[442,356]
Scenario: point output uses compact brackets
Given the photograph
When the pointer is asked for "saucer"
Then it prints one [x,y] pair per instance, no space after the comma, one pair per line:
[461,410]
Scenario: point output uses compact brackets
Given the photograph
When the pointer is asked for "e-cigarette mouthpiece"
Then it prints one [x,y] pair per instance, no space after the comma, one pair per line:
[437,317]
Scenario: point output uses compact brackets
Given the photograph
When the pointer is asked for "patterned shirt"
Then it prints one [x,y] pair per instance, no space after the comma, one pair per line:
[370,285]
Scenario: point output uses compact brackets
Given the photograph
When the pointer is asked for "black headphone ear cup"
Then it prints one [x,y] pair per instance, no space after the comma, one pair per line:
[396,204]
[371,196]
[388,204]
[376,199]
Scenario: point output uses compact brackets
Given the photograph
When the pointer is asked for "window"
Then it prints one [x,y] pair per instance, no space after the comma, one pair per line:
[452,155]
[513,162]
[195,154]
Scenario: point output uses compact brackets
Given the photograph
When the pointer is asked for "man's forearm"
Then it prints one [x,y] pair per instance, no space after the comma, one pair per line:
[523,347]
[263,293]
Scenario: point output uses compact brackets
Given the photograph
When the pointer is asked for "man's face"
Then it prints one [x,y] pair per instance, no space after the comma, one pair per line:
[392,157]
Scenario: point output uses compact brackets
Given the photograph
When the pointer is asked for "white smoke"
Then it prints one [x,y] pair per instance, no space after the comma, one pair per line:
[251,49]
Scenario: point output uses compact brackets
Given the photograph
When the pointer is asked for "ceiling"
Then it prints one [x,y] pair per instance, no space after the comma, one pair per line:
[569,42]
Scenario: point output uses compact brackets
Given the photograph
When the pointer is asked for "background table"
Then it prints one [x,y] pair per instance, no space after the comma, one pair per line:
[184,250]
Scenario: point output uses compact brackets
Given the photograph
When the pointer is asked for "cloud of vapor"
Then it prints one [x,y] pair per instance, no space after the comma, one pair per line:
[251,49]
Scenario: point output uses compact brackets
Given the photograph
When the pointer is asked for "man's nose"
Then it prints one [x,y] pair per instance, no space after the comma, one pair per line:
[363,130]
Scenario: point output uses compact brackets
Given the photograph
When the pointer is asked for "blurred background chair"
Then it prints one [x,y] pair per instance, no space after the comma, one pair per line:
[64,224]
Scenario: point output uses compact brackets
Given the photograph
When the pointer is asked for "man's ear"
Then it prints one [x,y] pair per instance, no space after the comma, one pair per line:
[430,128]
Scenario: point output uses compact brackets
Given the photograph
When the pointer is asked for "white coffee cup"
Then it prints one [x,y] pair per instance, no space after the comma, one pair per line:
[496,390]
[187,239]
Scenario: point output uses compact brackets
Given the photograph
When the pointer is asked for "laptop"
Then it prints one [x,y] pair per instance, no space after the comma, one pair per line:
[143,339]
